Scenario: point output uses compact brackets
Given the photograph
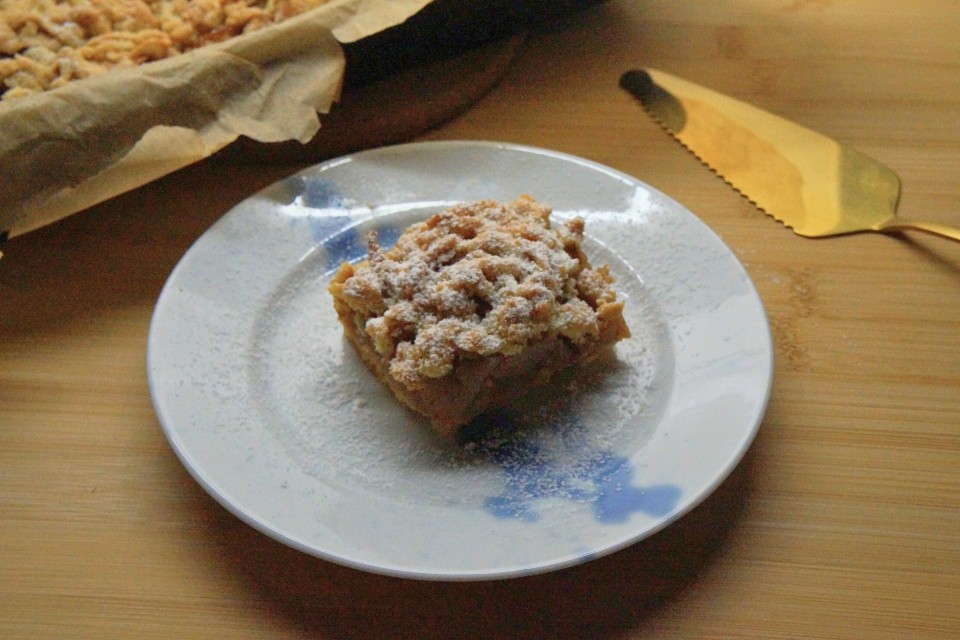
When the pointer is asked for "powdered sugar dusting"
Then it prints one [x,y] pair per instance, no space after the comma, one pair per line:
[476,279]
[311,381]
[273,413]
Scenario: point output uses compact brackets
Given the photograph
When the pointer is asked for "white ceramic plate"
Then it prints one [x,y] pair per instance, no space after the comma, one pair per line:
[273,414]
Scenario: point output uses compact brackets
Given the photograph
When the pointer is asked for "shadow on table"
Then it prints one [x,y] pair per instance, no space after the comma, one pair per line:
[118,254]
[931,250]
[622,591]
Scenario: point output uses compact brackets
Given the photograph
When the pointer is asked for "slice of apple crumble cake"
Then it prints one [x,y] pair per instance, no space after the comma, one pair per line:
[476,306]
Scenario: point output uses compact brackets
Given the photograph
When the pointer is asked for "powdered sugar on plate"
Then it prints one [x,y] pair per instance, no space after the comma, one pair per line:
[342,427]
[272,413]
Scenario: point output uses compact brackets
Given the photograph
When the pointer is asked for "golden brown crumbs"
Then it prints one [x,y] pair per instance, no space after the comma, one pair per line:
[44,44]
[476,280]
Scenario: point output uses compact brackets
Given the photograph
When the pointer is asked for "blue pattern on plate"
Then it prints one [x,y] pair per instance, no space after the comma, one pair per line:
[347,246]
[317,193]
[322,195]
[350,245]
[572,471]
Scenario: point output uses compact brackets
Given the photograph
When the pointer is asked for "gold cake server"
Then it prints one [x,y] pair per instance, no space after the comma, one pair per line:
[809,182]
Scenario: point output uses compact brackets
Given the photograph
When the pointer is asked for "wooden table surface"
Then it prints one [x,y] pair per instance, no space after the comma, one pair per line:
[843,520]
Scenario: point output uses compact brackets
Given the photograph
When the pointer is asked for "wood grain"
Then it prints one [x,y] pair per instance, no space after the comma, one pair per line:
[843,521]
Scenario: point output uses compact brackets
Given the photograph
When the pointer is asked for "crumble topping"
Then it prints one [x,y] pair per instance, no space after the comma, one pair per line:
[46,43]
[473,281]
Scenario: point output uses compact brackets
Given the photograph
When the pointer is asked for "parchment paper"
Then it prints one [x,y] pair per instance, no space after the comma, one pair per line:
[69,149]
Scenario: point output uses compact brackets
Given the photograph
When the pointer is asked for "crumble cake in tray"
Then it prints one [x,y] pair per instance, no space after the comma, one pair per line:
[46,43]
[476,306]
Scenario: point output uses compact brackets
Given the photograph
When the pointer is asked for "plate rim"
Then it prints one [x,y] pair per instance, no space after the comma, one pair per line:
[568,560]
